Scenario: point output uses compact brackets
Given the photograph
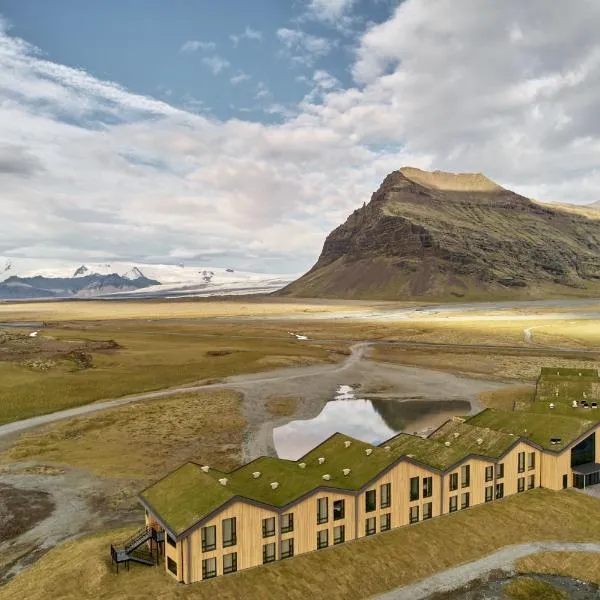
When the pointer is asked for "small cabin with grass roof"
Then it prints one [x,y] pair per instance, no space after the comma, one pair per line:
[215,523]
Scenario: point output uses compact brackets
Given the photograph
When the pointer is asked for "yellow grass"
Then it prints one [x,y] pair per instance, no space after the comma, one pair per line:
[144,440]
[580,565]
[527,588]
[281,406]
[505,398]
[80,570]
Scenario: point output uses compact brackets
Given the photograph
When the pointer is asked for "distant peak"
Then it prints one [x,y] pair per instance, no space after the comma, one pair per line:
[81,271]
[134,274]
[442,180]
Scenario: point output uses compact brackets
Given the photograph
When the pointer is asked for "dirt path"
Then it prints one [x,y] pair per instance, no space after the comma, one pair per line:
[503,559]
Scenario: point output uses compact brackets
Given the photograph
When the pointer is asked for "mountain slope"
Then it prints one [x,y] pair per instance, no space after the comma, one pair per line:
[441,235]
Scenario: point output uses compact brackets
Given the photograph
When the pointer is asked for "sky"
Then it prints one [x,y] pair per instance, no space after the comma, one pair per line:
[240,133]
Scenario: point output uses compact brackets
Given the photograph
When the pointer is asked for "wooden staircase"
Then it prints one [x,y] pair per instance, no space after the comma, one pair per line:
[135,549]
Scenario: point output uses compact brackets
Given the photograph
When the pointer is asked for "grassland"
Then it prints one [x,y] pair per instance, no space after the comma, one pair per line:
[584,566]
[527,588]
[142,441]
[350,571]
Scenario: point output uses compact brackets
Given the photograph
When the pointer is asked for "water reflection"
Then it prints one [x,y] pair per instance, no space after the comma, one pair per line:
[372,421]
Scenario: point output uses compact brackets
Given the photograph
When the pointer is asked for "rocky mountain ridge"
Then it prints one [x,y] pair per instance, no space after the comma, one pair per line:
[443,235]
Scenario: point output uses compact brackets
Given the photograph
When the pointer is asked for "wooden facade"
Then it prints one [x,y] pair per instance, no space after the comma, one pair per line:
[407,491]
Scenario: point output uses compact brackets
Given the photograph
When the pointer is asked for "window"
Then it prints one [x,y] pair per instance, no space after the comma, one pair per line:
[427,511]
[209,568]
[413,514]
[386,495]
[500,471]
[427,487]
[268,527]
[269,553]
[171,541]
[465,476]
[453,482]
[521,457]
[489,473]
[229,533]
[287,523]
[209,538]
[339,534]
[453,503]
[531,463]
[172,566]
[385,522]
[489,493]
[464,500]
[414,488]
[565,482]
[322,510]
[370,526]
[339,509]
[531,482]
[521,484]
[370,500]
[230,563]
[287,548]
[499,490]
[322,539]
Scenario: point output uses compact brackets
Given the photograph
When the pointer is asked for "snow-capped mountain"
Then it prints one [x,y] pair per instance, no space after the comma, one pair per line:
[32,278]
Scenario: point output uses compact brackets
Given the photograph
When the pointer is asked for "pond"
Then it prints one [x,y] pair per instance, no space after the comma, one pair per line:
[372,421]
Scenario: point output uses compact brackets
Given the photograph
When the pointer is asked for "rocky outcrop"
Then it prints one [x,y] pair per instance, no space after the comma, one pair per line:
[441,235]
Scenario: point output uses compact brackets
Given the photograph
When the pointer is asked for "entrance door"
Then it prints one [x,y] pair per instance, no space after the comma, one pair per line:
[565,482]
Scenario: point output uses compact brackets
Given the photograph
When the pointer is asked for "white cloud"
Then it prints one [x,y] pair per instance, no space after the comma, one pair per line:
[248,34]
[240,78]
[304,48]
[330,11]
[195,45]
[216,63]
[90,169]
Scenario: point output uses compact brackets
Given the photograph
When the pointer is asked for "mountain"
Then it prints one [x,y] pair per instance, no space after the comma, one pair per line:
[22,279]
[438,236]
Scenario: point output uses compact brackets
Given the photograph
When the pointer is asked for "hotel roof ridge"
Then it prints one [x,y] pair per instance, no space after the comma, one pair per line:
[192,492]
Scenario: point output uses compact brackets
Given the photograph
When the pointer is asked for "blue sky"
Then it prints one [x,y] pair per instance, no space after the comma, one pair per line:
[240,133]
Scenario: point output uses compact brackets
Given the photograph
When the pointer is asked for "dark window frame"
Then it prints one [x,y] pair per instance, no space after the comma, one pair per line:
[267,556]
[489,473]
[323,534]
[521,462]
[414,490]
[465,476]
[233,567]
[266,531]
[489,496]
[427,487]
[453,503]
[290,551]
[171,541]
[232,541]
[206,547]
[206,574]
[413,514]
[290,523]
[500,471]
[531,461]
[453,482]
[337,514]
[320,518]
[370,530]
[385,495]
[499,491]
[531,482]
[520,484]
[172,566]
[339,539]
[370,500]
[465,500]
[427,514]
[385,522]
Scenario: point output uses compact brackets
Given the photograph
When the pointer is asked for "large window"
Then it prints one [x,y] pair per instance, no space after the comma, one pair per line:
[230,563]
[287,548]
[287,523]
[500,471]
[229,533]
[414,488]
[171,541]
[584,452]
[385,522]
[489,493]
[453,504]
[531,482]
[453,482]
[269,553]
[339,509]
[521,484]
[370,500]
[322,539]
[499,490]
[465,476]
[413,514]
[268,527]
[172,565]
[370,526]
[489,473]
[465,500]
[339,534]
[521,457]
[385,494]
[427,487]
[322,510]
[209,538]
[531,462]
[209,568]
[427,510]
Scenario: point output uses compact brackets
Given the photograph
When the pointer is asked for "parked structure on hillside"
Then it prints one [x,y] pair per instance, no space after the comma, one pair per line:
[271,509]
